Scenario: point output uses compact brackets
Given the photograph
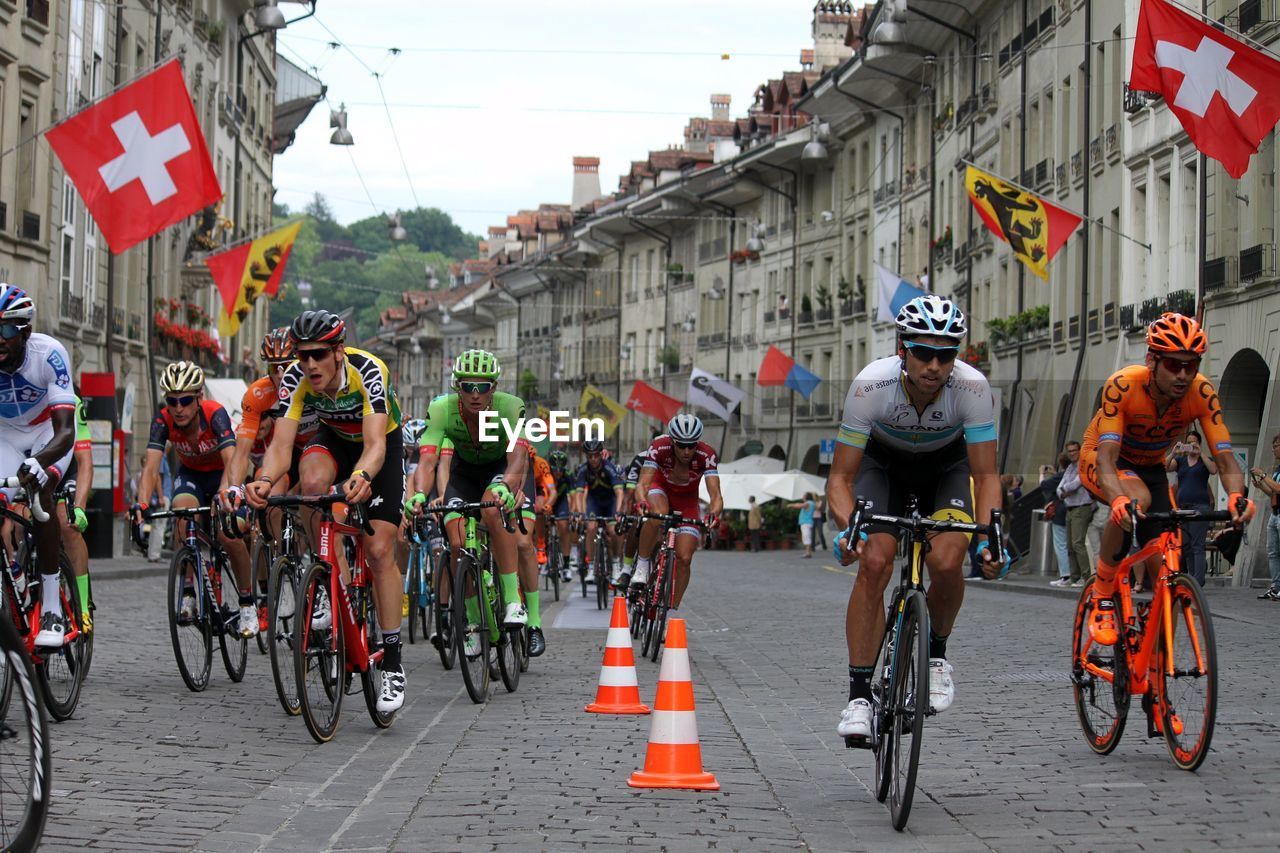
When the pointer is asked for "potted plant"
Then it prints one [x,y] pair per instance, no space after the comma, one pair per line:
[528,385]
[806,309]
[824,302]
[669,357]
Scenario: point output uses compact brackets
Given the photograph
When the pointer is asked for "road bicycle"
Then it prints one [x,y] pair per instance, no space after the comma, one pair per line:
[601,565]
[59,671]
[555,559]
[336,627]
[26,783]
[428,609]
[900,688]
[285,556]
[649,605]
[67,498]
[1165,652]
[474,583]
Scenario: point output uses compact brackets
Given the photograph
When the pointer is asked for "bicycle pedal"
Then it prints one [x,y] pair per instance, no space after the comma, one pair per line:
[856,742]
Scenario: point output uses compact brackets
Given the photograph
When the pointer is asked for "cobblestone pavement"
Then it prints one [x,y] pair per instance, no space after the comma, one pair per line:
[148,765]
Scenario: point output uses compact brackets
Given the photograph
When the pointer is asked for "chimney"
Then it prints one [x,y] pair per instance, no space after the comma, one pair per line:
[806,58]
[831,20]
[720,107]
[586,181]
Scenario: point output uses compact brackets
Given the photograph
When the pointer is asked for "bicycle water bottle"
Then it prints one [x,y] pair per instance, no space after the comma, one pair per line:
[490,590]
[19,579]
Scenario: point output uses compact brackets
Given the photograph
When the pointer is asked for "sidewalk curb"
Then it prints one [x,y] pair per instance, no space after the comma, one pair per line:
[1032,586]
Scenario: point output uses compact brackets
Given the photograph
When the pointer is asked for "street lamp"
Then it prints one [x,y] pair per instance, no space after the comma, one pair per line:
[268,17]
[815,151]
[395,230]
[755,243]
[338,119]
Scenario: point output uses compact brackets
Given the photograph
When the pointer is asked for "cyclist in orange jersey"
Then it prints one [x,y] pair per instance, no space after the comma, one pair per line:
[1145,409]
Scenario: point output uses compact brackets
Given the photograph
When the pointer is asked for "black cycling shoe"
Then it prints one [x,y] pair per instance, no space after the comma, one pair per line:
[537,642]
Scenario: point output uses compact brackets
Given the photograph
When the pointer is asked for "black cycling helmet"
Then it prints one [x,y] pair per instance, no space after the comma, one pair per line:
[592,446]
[318,327]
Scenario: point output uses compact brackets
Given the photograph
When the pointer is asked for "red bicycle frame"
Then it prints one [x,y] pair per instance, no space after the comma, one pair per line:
[353,636]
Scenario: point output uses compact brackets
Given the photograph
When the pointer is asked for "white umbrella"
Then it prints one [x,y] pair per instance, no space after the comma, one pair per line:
[736,488]
[793,484]
[752,465]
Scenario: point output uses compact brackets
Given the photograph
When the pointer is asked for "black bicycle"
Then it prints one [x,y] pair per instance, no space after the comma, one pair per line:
[285,556]
[900,688]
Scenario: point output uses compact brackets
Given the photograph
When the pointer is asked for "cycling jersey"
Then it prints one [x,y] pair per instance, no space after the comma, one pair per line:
[878,407]
[41,384]
[662,457]
[1128,417]
[365,390]
[444,420]
[204,452]
[260,409]
[632,474]
[84,440]
[542,478]
[601,481]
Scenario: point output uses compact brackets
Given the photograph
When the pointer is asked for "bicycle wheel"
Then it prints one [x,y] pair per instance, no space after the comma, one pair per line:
[319,655]
[1099,681]
[226,621]
[1188,664]
[192,633]
[443,618]
[259,577]
[658,627]
[509,642]
[555,562]
[282,591]
[87,609]
[601,568]
[60,671]
[635,612]
[475,668]
[421,606]
[909,695]
[25,757]
[371,675]
[880,692]
[411,588]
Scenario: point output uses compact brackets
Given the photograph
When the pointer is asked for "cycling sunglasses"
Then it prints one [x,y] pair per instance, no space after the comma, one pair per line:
[318,354]
[480,386]
[687,445]
[927,353]
[9,331]
[1177,365]
[179,402]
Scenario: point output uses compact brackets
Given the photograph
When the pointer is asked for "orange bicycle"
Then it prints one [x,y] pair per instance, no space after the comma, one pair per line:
[1165,653]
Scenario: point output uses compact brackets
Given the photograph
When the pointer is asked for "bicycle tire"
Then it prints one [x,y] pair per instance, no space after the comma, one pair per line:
[9,605]
[371,676]
[909,688]
[1102,704]
[24,750]
[1188,746]
[635,612]
[661,604]
[233,646]
[880,699]
[444,624]
[282,586]
[411,592]
[475,671]
[259,581]
[319,658]
[192,638]
[61,671]
[86,624]
[509,640]
[601,567]
[554,561]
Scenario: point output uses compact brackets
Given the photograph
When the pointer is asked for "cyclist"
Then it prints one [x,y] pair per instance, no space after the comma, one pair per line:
[77,486]
[37,434]
[599,492]
[545,486]
[1146,408]
[558,461]
[668,482]
[631,544]
[200,431]
[916,423]
[356,445]
[481,470]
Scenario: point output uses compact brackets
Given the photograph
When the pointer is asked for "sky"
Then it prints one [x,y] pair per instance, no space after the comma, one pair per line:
[490,100]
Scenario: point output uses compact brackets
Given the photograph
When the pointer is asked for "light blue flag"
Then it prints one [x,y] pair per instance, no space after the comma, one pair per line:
[802,381]
[895,291]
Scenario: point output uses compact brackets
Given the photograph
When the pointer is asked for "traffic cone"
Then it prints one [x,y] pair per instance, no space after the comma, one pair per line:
[674,759]
[618,692]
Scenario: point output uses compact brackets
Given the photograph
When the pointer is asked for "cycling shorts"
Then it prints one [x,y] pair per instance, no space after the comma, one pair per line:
[387,501]
[17,444]
[601,505]
[680,498]
[201,485]
[1153,477]
[561,509]
[939,480]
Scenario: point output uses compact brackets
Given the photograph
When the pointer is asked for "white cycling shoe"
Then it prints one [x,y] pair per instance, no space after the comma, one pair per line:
[942,690]
[855,719]
[515,615]
[640,576]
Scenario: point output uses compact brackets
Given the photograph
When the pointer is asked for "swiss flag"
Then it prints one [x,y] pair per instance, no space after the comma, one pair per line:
[1225,93]
[138,158]
[648,400]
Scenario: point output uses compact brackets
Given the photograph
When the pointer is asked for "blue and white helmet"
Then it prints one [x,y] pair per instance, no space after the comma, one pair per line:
[412,430]
[15,304]
[932,315]
[685,428]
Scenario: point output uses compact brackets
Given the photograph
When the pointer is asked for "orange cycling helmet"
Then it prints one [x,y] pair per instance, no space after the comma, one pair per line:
[277,345]
[1176,333]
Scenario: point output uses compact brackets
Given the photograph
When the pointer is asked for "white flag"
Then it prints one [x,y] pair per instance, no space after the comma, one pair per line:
[716,395]
[895,291]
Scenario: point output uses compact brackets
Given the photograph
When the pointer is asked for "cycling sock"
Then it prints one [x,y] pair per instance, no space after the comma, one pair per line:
[642,563]
[860,682]
[82,586]
[937,645]
[510,587]
[245,598]
[391,650]
[49,600]
[1105,583]
[531,601]
[473,609]
[628,561]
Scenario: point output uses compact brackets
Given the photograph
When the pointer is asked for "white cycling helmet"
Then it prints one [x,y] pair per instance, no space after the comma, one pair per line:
[685,429]
[932,315]
[15,305]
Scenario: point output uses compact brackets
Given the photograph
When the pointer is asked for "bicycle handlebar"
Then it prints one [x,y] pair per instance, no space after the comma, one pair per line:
[33,498]
[917,523]
[356,513]
[1170,519]
[675,519]
[473,509]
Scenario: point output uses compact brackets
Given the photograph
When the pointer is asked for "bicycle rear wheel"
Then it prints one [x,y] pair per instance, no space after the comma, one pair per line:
[192,634]
[25,757]
[475,668]
[443,619]
[909,695]
[319,656]
[1188,665]
[60,671]
[282,592]
[259,580]
[371,676]
[226,621]
[635,612]
[1099,681]
[658,626]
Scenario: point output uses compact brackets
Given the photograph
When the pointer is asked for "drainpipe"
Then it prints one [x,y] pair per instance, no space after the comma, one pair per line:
[793,198]
[732,213]
[1022,270]
[666,287]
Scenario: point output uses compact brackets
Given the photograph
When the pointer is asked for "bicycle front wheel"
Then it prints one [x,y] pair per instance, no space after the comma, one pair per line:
[25,757]
[909,702]
[371,676]
[319,655]
[282,591]
[662,602]
[231,642]
[1099,681]
[474,631]
[189,627]
[1188,666]
[61,670]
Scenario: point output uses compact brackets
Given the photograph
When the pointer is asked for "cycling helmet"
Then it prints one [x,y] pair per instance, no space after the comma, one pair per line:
[181,376]
[318,327]
[476,364]
[15,304]
[932,315]
[685,429]
[277,345]
[558,460]
[412,430]
[593,445]
[1176,333]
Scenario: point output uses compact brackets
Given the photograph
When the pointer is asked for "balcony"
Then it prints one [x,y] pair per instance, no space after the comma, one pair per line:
[853,307]
[71,306]
[98,319]
[1043,172]
[1251,15]
[1109,315]
[680,280]
[632,297]
[1095,152]
[1061,177]
[1077,166]
[117,321]
[1215,274]
[769,316]
[1113,143]
[1128,316]
[987,99]
[135,327]
[1135,101]
[1257,261]
[1091,321]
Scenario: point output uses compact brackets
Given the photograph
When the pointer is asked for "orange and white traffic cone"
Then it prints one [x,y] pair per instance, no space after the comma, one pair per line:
[674,759]
[619,692]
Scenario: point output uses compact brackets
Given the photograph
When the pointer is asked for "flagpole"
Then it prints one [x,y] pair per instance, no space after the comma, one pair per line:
[226,247]
[1083,216]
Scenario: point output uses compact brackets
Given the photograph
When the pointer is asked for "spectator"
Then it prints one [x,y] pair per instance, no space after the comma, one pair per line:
[806,522]
[1079,504]
[1271,487]
[923,279]
[1057,515]
[1193,470]
[755,521]
[782,305]
[819,522]
[1016,491]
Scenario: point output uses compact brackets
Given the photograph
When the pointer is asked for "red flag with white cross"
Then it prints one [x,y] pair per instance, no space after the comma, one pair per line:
[138,158]
[1225,93]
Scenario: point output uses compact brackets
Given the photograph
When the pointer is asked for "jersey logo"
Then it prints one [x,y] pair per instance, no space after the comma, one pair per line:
[62,375]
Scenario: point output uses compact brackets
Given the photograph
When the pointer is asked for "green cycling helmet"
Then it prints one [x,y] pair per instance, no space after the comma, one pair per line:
[476,364]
